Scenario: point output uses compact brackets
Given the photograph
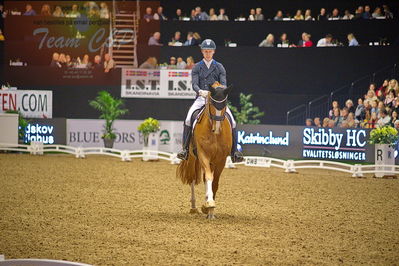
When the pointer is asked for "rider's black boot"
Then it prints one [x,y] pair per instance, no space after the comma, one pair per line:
[236,156]
[183,155]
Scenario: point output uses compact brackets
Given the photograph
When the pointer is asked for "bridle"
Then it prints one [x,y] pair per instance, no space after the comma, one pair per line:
[219,105]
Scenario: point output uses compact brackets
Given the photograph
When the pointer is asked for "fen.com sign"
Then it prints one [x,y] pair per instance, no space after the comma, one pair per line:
[31,103]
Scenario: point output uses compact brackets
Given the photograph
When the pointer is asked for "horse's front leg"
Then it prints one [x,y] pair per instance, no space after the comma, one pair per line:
[209,206]
[193,206]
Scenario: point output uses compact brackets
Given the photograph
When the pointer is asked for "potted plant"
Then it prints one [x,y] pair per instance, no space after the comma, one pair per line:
[148,127]
[110,109]
[384,139]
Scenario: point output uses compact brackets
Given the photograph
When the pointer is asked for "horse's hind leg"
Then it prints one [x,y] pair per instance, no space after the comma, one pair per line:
[193,206]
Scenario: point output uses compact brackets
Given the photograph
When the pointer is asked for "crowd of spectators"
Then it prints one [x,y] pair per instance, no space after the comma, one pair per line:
[256,14]
[99,64]
[174,63]
[379,107]
[193,38]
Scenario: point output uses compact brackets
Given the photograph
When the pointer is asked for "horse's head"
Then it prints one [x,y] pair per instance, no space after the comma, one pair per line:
[217,101]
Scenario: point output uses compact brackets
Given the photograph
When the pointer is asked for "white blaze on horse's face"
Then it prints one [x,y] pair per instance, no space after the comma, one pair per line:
[217,127]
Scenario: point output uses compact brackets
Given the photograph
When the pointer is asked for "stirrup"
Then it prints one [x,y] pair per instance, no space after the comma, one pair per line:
[183,155]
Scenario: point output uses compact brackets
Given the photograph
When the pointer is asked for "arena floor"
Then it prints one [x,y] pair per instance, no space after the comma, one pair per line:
[102,211]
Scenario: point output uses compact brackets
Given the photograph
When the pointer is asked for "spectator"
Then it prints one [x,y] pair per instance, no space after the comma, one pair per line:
[97,66]
[190,62]
[359,13]
[396,107]
[343,116]
[197,38]
[322,16]
[29,10]
[284,42]
[347,15]
[109,63]
[308,14]
[374,107]
[159,15]
[148,14]
[268,42]
[360,112]
[350,121]
[176,40]
[46,10]
[192,15]
[150,63]
[190,40]
[199,15]
[377,13]
[252,15]
[279,16]
[104,12]
[381,92]
[326,120]
[180,63]
[74,12]
[301,43]
[334,14]
[154,39]
[331,123]
[222,15]
[394,119]
[85,63]
[352,40]
[334,106]
[349,105]
[370,96]
[212,15]
[388,14]
[336,116]
[309,122]
[317,122]
[298,15]
[258,14]
[172,63]
[326,41]
[179,15]
[68,61]
[393,85]
[54,62]
[390,99]
[308,42]
[366,14]
[384,119]
[58,12]
[381,107]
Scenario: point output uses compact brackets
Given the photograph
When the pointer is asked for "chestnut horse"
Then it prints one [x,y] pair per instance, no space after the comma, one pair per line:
[212,140]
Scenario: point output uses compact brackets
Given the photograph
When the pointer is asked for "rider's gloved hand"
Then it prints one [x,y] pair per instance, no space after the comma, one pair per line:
[203,93]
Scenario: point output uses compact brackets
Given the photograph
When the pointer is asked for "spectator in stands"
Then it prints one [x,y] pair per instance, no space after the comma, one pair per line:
[370,96]
[334,105]
[366,14]
[85,63]
[326,41]
[381,92]
[377,13]
[222,15]
[343,116]
[396,107]
[308,42]
[347,15]
[336,116]
[258,14]
[159,15]
[388,14]
[317,122]
[372,122]
[54,62]
[334,15]
[109,63]
[212,15]
[172,63]
[29,10]
[74,12]
[148,14]
[349,105]
[331,123]
[199,15]
[352,40]
[283,42]
[97,66]
[351,122]
[46,10]
[268,42]
[298,15]
[374,107]
[179,15]
[301,43]
[360,111]
[58,12]
[180,63]
[190,40]
[394,119]
[154,39]
[384,119]
[325,122]
[150,63]
[308,14]
[390,99]
[309,122]
[252,14]
[279,16]
[197,38]
[192,15]
[359,13]
[322,16]
[92,9]
[190,62]
[393,85]
[176,40]
[104,12]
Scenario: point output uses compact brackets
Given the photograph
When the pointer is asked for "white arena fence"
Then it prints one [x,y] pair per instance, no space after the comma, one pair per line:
[289,166]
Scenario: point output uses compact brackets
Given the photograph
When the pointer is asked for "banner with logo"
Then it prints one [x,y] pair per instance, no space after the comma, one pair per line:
[31,103]
[162,84]
[88,132]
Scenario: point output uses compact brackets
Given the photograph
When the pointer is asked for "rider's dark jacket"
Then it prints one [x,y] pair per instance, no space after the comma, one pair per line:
[202,77]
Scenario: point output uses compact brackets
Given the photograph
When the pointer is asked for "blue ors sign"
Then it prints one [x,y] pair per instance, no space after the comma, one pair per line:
[342,145]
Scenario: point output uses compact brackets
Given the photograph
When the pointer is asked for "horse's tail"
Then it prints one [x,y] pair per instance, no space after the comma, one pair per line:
[189,170]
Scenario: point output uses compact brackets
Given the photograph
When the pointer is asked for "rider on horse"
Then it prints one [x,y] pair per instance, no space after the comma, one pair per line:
[205,73]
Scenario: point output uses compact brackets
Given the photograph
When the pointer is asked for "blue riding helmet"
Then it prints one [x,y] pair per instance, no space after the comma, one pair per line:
[208,44]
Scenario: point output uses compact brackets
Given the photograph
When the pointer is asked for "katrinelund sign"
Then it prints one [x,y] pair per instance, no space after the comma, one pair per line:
[31,103]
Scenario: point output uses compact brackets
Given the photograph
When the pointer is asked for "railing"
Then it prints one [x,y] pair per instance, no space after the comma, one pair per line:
[289,166]
[320,106]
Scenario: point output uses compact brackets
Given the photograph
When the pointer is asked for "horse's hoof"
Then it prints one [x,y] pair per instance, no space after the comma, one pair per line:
[194,211]
[210,204]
